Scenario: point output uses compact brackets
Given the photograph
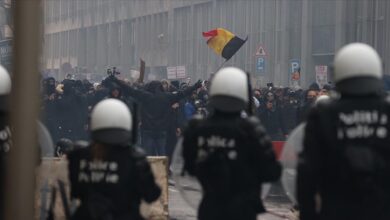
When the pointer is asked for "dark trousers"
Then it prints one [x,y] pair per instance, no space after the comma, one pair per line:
[154,142]
[171,143]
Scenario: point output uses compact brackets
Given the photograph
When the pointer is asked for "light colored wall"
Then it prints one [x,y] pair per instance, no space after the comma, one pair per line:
[97,34]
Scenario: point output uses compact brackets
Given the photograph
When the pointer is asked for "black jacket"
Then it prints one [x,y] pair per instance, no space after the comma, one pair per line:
[346,160]
[156,107]
[112,186]
[272,121]
[5,142]
[231,156]
[72,114]
[288,114]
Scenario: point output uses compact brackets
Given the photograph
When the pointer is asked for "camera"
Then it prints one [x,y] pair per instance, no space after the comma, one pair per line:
[200,108]
[113,72]
[270,85]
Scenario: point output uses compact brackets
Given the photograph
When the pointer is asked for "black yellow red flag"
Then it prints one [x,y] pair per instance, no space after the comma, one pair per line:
[223,42]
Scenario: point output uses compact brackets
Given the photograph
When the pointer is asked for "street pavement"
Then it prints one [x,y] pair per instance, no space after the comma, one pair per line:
[277,205]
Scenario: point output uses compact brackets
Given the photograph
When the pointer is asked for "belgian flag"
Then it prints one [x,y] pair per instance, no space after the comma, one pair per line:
[223,42]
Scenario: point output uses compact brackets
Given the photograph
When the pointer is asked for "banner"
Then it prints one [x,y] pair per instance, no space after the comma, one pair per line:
[321,75]
[176,72]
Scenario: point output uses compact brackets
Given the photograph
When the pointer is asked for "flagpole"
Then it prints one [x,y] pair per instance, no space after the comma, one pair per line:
[220,67]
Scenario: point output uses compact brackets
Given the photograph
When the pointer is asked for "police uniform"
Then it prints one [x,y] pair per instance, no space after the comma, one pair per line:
[5,143]
[231,156]
[344,169]
[5,132]
[5,89]
[109,176]
[113,186]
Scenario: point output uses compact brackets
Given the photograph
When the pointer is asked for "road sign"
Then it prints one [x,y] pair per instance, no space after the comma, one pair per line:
[261,51]
[260,65]
[181,72]
[171,72]
[295,70]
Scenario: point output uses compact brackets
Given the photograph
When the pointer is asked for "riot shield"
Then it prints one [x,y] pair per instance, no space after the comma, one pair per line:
[44,140]
[188,186]
[289,160]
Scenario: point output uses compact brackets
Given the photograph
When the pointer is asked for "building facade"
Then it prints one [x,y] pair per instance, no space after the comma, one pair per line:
[293,35]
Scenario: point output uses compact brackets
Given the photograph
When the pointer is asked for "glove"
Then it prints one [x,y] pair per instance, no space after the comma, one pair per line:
[198,84]
[108,80]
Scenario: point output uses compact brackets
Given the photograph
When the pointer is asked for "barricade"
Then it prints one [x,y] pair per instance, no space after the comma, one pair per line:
[53,170]
[278,148]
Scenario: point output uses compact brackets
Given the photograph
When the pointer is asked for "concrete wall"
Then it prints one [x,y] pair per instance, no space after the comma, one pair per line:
[96,34]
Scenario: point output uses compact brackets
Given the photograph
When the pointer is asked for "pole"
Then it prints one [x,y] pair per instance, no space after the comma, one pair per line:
[220,67]
[250,101]
[23,156]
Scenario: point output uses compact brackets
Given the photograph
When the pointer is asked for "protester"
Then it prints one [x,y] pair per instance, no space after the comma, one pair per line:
[308,100]
[271,120]
[155,110]
[165,107]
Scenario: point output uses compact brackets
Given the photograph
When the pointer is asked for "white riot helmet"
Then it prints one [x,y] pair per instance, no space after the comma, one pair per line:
[5,82]
[5,88]
[358,69]
[111,122]
[229,90]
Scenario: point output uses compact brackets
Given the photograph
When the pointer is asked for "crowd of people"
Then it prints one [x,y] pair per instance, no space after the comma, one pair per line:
[343,160]
[164,107]
[282,109]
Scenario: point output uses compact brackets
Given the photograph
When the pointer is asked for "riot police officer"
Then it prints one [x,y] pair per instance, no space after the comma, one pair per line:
[109,176]
[5,89]
[344,169]
[231,156]
[5,133]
